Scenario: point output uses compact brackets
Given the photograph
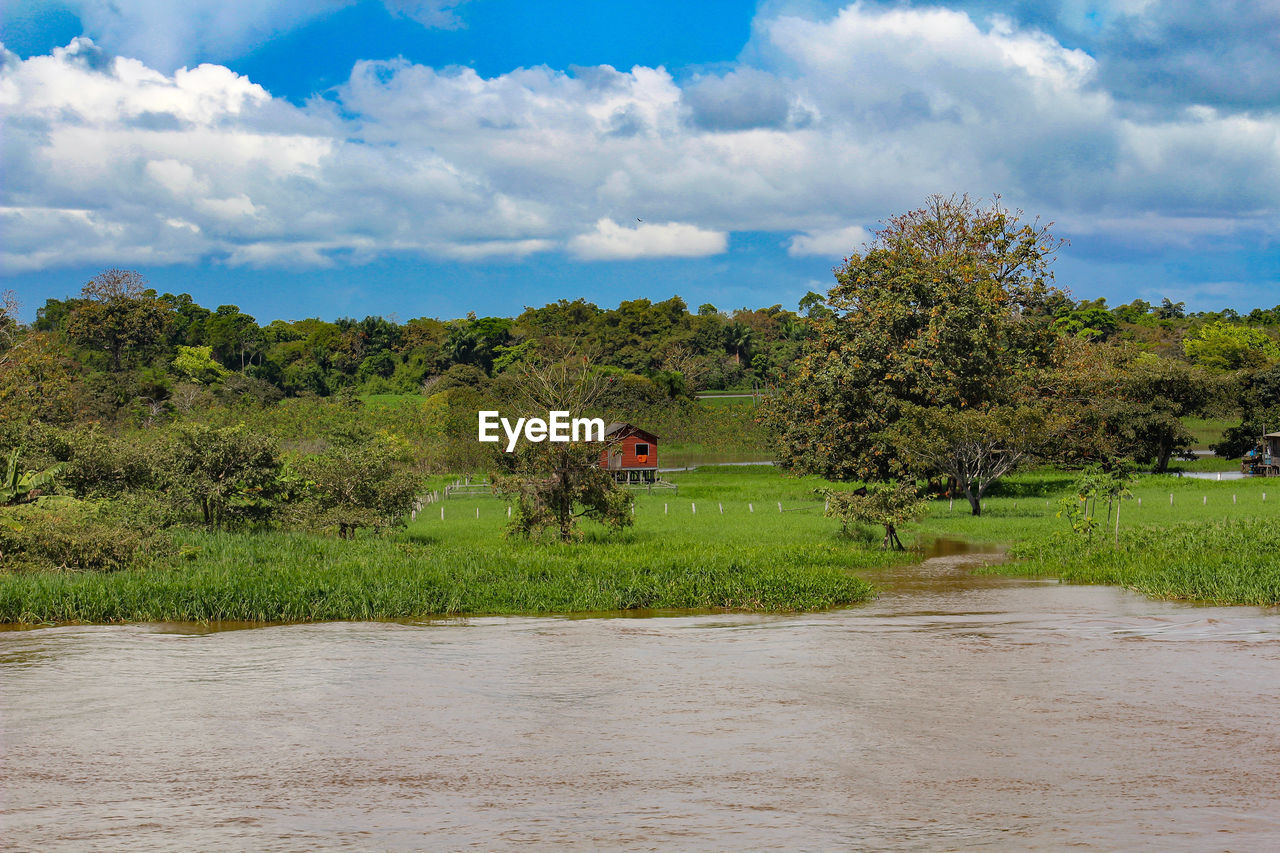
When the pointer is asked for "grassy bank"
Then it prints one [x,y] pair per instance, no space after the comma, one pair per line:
[1179,538]
[673,557]
[1216,541]
[1223,562]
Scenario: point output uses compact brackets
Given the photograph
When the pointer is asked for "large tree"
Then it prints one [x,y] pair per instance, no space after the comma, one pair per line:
[119,315]
[951,306]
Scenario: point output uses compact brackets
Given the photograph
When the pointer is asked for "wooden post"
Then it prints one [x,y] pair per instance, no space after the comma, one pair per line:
[1118,502]
[1204,500]
[509,510]
[721,509]
[1171,499]
[477,512]
[695,508]
[664,509]
[1233,500]
[752,507]
[779,506]
[442,512]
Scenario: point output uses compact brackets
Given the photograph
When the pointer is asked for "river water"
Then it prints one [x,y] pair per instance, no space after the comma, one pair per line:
[953,713]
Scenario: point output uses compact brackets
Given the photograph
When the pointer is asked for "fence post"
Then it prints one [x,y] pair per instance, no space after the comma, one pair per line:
[1233,500]
[1171,499]
[664,509]
[752,507]
[721,509]
[477,512]
[442,512]
[1204,500]
[695,508]
[509,510]
[779,506]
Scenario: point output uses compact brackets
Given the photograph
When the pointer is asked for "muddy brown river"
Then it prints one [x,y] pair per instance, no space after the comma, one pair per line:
[953,713]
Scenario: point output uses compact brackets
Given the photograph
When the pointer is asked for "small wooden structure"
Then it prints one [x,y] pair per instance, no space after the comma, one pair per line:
[1263,460]
[632,454]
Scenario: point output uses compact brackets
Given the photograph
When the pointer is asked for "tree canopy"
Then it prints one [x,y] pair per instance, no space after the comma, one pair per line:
[951,306]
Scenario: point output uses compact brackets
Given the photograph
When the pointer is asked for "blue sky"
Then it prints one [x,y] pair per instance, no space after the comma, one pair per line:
[429,157]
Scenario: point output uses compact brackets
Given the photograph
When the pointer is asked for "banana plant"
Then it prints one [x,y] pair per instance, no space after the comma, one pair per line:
[19,485]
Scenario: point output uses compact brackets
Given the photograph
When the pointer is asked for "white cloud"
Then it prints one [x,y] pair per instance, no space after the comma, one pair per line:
[609,241]
[849,118]
[839,242]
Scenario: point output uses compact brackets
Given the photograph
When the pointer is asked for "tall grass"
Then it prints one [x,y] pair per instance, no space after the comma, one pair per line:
[1217,541]
[673,558]
[1221,562]
[1214,542]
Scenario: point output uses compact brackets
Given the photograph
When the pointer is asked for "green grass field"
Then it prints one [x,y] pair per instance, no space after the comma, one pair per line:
[1208,430]
[1179,537]
[672,558]
[720,542]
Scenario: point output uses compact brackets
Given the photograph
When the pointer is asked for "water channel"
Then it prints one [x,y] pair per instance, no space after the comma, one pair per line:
[955,712]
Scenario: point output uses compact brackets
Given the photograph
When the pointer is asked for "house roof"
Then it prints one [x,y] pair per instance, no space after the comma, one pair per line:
[620,427]
[1268,435]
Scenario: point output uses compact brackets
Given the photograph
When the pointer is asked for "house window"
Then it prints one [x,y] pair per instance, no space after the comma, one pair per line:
[642,449]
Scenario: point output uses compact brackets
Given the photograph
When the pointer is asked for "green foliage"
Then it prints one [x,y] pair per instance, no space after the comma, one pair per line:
[973,447]
[63,533]
[102,465]
[1230,346]
[553,485]
[21,486]
[887,504]
[1257,393]
[228,474]
[119,316]
[950,306]
[778,562]
[196,364]
[1118,402]
[1225,561]
[359,481]
[1080,509]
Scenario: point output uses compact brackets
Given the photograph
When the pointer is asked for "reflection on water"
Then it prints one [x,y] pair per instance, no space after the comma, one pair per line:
[954,712]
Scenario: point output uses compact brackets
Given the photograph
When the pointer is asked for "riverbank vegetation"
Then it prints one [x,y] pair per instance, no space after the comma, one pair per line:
[164,460]
[681,552]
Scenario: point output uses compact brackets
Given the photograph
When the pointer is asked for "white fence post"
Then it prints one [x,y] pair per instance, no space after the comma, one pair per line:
[695,508]
[752,507]
[779,506]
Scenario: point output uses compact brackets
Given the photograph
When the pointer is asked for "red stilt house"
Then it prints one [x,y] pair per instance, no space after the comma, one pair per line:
[632,454]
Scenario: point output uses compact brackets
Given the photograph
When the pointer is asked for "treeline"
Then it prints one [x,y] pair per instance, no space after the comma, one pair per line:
[135,345]
[121,350]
